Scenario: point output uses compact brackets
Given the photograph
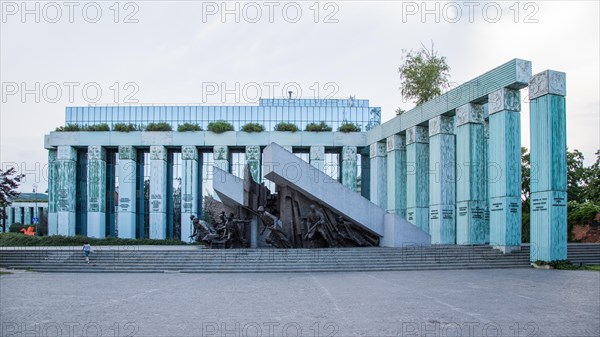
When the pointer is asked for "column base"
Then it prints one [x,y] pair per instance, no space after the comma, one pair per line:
[52,223]
[66,223]
[471,226]
[505,221]
[548,226]
[96,225]
[158,226]
[418,216]
[187,228]
[126,225]
[254,232]
[441,224]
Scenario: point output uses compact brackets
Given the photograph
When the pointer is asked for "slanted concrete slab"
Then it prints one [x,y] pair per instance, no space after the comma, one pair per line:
[228,187]
[284,168]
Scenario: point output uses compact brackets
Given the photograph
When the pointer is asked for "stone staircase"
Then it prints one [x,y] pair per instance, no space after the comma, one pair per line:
[200,260]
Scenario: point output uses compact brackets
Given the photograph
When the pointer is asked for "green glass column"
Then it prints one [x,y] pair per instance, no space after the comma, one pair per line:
[396,174]
[547,91]
[253,160]
[66,163]
[96,192]
[189,190]
[471,227]
[442,180]
[504,169]
[417,176]
[52,215]
[378,174]
[127,173]
[349,167]
[158,192]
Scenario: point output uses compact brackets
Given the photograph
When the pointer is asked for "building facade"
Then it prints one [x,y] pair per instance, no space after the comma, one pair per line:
[26,209]
[451,166]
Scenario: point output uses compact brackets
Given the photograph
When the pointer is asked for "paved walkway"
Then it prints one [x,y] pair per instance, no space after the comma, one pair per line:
[512,302]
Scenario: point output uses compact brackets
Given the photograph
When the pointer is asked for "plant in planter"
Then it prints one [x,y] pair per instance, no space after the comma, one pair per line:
[122,127]
[348,127]
[219,126]
[188,127]
[314,127]
[253,127]
[69,128]
[290,127]
[159,127]
[98,127]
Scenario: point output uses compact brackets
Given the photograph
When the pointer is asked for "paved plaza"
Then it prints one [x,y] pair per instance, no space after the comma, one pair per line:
[512,302]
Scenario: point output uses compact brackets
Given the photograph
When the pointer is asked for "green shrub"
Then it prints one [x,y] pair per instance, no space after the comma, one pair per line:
[253,127]
[219,126]
[580,214]
[97,127]
[159,127]
[291,127]
[122,127]
[69,128]
[321,127]
[188,127]
[18,239]
[349,127]
[15,228]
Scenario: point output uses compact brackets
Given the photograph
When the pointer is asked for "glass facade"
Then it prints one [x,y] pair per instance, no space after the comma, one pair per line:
[268,113]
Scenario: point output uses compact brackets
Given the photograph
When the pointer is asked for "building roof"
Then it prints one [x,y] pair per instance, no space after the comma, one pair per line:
[31,197]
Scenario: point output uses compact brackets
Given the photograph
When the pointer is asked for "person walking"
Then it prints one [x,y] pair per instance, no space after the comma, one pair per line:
[87,249]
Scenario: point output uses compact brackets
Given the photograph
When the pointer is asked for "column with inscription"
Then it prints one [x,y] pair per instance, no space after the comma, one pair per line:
[547,91]
[52,215]
[417,176]
[127,173]
[471,227]
[349,167]
[396,175]
[96,192]
[504,169]
[189,190]
[442,180]
[66,164]
[378,174]
[253,161]
[158,192]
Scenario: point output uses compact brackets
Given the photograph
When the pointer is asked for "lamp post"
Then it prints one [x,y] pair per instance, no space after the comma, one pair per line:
[35,210]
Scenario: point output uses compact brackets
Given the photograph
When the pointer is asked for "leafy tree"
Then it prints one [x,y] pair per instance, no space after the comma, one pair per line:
[423,74]
[575,176]
[122,127]
[525,174]
[282,126]
[592,181]
[9,182]
[253,127]
[348,127]
[185,127]
[159,127]
[219,126]
[314,127]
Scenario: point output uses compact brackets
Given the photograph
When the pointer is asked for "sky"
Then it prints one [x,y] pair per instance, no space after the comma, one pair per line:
[58,54]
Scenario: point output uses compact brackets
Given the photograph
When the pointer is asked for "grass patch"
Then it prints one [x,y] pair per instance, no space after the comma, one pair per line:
[4,273]
[20,240]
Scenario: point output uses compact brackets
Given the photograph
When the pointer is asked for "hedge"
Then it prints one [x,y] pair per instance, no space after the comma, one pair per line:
[18,239]
[253,127]
[219,126]
[321,127]
[290,127]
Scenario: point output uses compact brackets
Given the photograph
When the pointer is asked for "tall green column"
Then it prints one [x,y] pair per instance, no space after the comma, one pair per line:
[378,174]
[52,215]
[317,157]
[253,160]
[66,164]
[504,169]
[27,217]
[396,174]
[442,180]
[158,192]
[349,167]
[9,217]
[547,91]
[127,173]
[417,176]
[189,190]
[96,192]
[471,226]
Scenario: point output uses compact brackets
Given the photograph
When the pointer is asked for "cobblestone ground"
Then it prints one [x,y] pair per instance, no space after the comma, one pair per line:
[514,302]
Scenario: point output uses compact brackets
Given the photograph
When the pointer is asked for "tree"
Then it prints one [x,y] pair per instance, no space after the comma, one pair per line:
[9,182]
[423,74]
[525,174]
[575,176]
[592,181]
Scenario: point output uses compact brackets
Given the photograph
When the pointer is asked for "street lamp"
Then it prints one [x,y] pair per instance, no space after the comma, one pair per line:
[35,210]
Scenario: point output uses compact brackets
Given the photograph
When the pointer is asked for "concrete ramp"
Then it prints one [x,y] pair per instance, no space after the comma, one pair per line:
[285,168]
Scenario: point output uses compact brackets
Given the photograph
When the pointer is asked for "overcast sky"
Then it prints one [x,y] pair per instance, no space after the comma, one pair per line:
[175,52]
